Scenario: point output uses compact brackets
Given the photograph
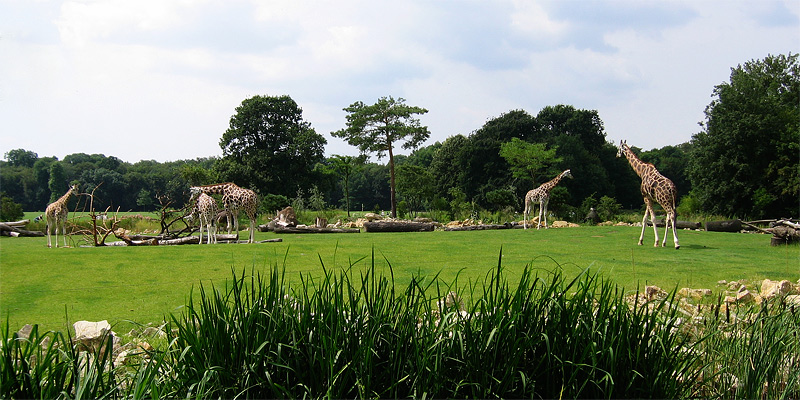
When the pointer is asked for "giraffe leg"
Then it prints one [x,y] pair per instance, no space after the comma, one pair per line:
[49,227]
[544,212]
[252,230]
[653,221]
[674,232]
[644,221]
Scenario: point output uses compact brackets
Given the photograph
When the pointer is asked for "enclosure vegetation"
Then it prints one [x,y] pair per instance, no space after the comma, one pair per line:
[357,334]
[749,140]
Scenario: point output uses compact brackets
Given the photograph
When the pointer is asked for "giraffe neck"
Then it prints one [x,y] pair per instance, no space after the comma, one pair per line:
[553,182]
[65,198]
[638,165]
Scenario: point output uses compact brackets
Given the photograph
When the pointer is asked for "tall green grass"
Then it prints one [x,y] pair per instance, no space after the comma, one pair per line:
[354,334]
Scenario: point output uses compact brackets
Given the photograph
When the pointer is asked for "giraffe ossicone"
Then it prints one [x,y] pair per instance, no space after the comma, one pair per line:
[56,215]
[541,195]
[655,188]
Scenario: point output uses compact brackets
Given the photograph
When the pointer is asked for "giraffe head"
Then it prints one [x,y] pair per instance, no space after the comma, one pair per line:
[566,174]
[621,148]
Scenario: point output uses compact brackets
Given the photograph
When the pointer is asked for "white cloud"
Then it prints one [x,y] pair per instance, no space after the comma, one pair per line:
[160,79]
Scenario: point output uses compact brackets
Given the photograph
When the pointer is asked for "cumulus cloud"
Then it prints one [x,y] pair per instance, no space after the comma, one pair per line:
[159,79]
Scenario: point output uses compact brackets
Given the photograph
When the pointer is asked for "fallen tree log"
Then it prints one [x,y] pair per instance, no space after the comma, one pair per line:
[733,225]
[311,229]
[392,226]
[17,224]
[678,224]
[8,230]
[478,227]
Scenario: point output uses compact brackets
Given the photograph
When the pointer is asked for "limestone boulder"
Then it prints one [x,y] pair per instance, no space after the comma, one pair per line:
[695,293]
[372,217]
[771,289]
[93,336]
[654,292]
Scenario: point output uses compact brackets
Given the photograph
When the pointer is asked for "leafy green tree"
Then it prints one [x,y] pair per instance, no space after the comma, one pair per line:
[269,147]
[745,160]
[344,167]
[415,184]
[376,128]
[9,210]
[370,187]
[41,173]
[56,181]
[447,165]
[482,169]
[529,161]
[21,158]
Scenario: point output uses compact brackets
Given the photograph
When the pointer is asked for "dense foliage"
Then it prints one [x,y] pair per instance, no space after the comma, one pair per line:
[743,164]
[746,161]
[269,147]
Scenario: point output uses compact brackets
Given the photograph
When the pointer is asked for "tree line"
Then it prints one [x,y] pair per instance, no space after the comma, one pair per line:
[745,161]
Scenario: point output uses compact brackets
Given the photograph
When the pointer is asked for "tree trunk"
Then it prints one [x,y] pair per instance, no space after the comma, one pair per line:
[391,181]
[733,225]
[398,227]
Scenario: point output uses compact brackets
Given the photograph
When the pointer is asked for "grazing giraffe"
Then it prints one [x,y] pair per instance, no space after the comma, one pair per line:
[235,198]
[542,195]
[206,209]
[56,215]
[655,187]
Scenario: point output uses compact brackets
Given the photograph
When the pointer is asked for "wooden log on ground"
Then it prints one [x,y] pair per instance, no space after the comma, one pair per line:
[478,227]
[8,230]
[311,229]
[784,234]
[678,224]
[392,226]
[17,224]
[733,225]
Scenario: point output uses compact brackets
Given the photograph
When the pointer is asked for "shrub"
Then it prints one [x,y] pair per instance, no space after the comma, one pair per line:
[9,210]
[274,202]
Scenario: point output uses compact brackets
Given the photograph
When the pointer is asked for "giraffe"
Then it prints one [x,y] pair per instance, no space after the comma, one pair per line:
[542,195]
[655,187]
[206,209]
[235,198]
[56,215]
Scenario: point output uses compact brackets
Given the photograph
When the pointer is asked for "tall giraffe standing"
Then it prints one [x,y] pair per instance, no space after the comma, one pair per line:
[206,210]
[56,215]
[655,187]
[542,195]
[235,198]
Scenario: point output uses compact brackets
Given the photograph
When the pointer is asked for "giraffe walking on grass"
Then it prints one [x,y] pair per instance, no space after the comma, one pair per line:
[56,215]
[235,198]
[541,195]
[655,188]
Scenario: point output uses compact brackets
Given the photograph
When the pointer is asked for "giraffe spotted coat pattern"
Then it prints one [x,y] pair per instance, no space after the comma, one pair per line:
[655,188]
[235,198]
[206,210]
[542,196]
[56,215]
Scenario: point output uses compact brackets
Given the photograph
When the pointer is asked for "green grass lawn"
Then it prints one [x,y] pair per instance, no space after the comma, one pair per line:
[143,284]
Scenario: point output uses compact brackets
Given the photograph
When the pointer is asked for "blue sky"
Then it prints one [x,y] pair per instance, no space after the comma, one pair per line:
[160,79]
